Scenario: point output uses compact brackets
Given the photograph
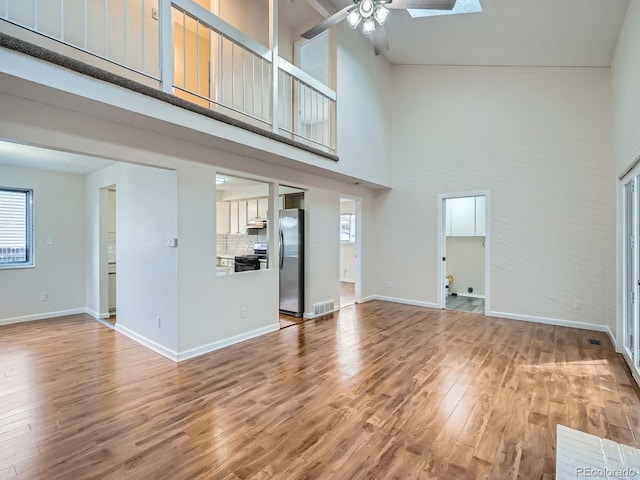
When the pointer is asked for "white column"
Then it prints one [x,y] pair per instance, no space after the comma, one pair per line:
[273,46]
[166,46]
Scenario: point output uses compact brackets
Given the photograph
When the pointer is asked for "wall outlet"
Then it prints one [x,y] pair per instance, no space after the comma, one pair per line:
[388,283]
[577,304]
[44,297]
[159,320]
[243,312]
[154,13]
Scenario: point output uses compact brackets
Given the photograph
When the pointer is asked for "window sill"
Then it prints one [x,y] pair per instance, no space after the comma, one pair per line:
[16,267]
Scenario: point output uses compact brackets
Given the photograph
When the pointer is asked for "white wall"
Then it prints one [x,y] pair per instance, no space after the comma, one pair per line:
[538,139]
[146,213]
[59,212]
[465,261]
[625,94]
[365,92]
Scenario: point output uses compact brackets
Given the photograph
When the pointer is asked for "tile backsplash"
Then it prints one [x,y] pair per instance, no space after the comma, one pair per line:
[238,244]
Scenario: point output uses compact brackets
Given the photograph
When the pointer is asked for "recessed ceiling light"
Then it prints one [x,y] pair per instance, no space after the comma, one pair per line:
[461,6]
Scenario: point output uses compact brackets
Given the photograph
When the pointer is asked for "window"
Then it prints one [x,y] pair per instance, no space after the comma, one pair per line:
[347,227]
[16,239]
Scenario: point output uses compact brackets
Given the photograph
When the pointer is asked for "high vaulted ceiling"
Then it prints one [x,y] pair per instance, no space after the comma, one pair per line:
[509,32]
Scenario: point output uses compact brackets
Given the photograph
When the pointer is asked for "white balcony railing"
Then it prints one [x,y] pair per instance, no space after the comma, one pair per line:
[203,59]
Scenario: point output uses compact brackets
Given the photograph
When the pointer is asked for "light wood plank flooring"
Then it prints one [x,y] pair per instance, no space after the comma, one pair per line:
[378,391]
[347,294]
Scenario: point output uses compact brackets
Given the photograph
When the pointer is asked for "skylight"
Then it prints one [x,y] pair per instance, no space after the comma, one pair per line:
[461,6]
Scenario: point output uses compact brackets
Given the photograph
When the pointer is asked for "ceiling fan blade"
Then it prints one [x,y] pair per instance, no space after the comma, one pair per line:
[422,4]
[326,24]
[379,40]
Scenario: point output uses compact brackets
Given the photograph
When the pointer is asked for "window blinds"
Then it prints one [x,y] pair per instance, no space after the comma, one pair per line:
[14,224]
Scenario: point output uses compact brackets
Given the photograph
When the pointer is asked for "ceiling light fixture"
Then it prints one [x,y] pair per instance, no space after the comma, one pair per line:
[371,11]
[220,179]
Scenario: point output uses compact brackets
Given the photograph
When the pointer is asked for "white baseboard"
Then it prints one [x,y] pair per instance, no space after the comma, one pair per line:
[210,347]
[96,315]
[41,316]
[142,340]
[367,299]
[554,321]
[405,301]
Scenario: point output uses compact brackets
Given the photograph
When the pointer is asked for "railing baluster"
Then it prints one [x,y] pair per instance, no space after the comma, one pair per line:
[106,28]
[184,50]
[35,14]
[198,57]
[62,20]
[126,32]
[84,33]
[143,38]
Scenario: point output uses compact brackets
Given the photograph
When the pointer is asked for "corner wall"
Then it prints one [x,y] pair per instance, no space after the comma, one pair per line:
[538,139]
[146,216]
[59,212]
[625,106]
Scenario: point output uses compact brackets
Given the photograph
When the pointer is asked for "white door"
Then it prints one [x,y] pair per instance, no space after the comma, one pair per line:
[631,270]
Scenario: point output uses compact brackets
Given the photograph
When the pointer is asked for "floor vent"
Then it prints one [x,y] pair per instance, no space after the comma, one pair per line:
[322,308]
[593,341]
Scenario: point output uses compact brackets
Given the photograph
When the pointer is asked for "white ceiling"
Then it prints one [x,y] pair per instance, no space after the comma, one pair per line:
[510,32]
[18,155]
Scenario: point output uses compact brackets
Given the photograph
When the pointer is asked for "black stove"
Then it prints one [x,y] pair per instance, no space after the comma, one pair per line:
[247,262]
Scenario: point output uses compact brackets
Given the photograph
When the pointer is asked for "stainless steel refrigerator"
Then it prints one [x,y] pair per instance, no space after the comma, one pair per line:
[292,261]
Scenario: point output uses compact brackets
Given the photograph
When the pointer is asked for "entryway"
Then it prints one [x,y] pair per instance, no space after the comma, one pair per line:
[349,246]
[465,256]
[108,263]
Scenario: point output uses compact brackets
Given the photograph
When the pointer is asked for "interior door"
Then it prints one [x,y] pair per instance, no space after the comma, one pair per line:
[631,270]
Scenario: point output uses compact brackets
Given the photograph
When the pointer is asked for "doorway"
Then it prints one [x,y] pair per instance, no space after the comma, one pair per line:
[463,243]
[630,202]
[349,246]
[108,257]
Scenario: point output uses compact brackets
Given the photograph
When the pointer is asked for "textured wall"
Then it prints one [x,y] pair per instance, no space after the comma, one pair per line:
[538,140]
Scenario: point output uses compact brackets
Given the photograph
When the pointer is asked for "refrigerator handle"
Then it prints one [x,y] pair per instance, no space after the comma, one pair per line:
[281,249]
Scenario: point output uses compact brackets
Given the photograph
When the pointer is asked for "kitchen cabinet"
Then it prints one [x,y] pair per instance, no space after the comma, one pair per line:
[480,216]
[222,218]
[233,218]
[252,209]
[263,207]
[242,217]
[465,217]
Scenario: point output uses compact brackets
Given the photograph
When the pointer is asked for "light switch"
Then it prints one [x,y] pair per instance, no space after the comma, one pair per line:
[172,242]
[50,240]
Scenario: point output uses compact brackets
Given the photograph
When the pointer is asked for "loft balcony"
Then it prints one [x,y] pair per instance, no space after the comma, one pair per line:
[181,48]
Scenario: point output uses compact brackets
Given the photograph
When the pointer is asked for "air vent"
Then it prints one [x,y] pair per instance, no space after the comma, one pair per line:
[593,341]
[322,308]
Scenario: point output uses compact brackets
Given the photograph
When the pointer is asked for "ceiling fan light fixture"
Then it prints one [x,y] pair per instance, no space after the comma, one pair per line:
[381,14]
[366,8]
[354,18]
[369,26]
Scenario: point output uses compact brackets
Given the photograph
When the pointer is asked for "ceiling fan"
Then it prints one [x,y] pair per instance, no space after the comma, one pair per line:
[372,12]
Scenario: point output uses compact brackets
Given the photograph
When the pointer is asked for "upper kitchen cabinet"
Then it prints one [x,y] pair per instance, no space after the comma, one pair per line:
[222,218]
[263,207]
[465,217]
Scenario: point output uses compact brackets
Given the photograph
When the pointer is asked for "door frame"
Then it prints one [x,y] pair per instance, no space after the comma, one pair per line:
[632,175]
[442,245]
[358,249]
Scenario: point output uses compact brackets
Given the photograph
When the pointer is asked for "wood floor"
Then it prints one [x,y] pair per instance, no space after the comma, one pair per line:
[347,294]
[379,391]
